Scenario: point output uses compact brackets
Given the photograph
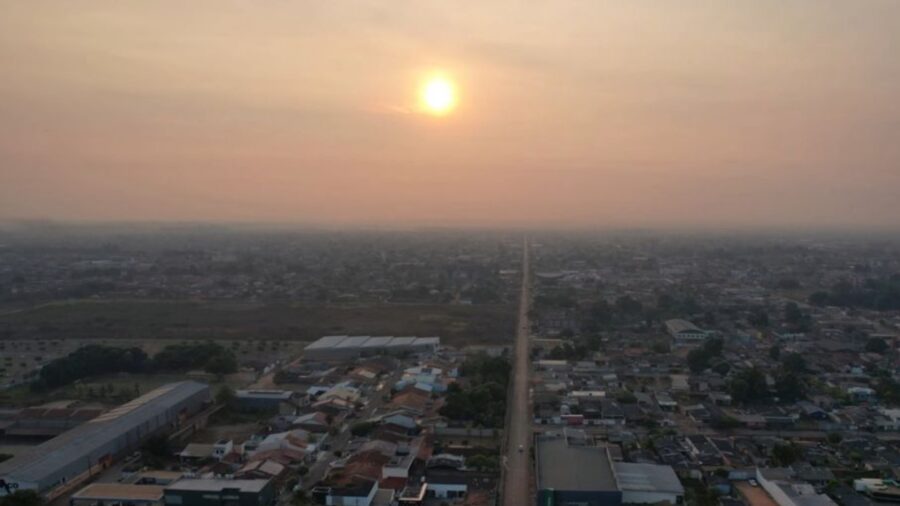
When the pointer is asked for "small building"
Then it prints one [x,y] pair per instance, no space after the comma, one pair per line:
[216,492]
[878,490]
[358,491]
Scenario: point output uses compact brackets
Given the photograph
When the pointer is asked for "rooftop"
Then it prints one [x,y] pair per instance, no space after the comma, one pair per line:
[214,484]
[573,468]
[71,446]
[647,478]
[114,491]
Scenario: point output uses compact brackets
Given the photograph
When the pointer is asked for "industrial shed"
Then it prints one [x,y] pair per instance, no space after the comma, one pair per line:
[90,447]
[350,347]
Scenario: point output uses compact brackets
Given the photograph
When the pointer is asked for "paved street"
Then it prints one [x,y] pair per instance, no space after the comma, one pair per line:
[517,481]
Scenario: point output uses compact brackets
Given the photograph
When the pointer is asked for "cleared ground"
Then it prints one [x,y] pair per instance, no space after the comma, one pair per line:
[89,319]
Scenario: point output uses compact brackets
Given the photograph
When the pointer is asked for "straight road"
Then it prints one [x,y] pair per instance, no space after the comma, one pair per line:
[517,478]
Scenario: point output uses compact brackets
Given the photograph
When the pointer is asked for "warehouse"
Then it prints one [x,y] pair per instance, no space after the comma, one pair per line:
[570,469]
[350,347]
[89,448]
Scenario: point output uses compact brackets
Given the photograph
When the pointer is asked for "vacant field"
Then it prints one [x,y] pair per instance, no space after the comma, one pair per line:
[88,319]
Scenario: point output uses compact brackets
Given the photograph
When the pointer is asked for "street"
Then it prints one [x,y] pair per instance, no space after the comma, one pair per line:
[517,477]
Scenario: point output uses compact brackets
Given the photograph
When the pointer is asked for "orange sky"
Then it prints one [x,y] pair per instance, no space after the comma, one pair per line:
[588,112]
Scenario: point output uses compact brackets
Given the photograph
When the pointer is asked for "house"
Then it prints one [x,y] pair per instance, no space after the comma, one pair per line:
[446,476]
[261,469]
[222,448]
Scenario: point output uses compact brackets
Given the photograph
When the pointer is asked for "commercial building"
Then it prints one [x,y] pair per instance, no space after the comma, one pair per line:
[99,494]
[648,483]
[218,492]
[569,471]
[92,446]
[350,347]
[685,333]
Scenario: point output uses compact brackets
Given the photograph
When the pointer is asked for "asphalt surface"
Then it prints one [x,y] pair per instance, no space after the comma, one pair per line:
[517,476]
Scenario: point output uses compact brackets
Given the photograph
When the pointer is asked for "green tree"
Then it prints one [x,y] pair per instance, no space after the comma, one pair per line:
[759,318]
[749,386]
[787,454]
[222,364]
[226,397]
[361,429]
[876,345]
[792,313]
[22,498]
[794,362]
[789,387]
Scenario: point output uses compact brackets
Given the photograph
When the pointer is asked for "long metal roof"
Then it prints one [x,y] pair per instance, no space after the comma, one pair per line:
[77,444]
[356,342]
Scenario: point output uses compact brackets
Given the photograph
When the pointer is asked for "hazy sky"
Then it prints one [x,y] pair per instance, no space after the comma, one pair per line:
[591,112]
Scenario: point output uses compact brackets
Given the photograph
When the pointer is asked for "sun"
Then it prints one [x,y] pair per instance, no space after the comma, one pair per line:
[438,96]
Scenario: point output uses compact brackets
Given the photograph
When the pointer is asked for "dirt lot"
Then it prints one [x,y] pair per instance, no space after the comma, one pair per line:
[88,319]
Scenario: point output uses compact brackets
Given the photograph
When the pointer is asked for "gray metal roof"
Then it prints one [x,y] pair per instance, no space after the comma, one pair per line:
[402,341]
[377,342]
[326,342]
[647,478]
[217,485]
[353,342]
[77,444]
[573,468]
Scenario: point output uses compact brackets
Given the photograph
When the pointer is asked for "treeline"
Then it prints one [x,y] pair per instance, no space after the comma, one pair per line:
[878,294]
[749,386]
[96,360]
[483,400]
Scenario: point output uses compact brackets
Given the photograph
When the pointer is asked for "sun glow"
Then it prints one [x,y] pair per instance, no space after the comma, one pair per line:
[438,96]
